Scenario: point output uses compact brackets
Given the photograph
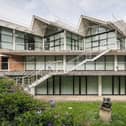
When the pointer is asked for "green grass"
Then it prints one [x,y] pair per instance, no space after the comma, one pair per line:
[87,114]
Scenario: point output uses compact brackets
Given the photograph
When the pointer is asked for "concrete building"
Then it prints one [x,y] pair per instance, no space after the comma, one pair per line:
[52,59]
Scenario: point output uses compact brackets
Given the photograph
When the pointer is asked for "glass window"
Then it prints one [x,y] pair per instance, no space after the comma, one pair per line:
[76,85]
[103,36]
[38,43]
[19,40]
[107,85]
[40,64]
[67,85]
[111,35]
[121,63]
[92,85]
[6,38]
[30,63]
[109,63]
[41,89]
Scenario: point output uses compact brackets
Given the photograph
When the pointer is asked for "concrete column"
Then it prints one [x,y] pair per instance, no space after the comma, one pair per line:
[32,91]
[125,43]
[115,63]
[99,85]
[64,40]
[64,63]
[13,39]
[43,44]
[116,43]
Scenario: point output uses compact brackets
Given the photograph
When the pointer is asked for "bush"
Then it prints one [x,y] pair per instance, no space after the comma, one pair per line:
[14,103]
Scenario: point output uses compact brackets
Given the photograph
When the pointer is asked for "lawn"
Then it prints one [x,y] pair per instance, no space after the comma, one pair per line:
[86,114]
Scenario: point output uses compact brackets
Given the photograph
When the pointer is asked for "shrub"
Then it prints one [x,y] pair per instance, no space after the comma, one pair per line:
[14,102]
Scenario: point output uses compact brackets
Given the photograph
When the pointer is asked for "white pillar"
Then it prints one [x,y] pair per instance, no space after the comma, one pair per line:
[43,44]
[32,91]
[64,63]
[14,43]
[115,63]
[125,43]
[64,40]
[99,85]
[116,43]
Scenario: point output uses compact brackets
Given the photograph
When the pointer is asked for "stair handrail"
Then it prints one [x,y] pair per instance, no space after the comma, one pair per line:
[86,60]
[89,60]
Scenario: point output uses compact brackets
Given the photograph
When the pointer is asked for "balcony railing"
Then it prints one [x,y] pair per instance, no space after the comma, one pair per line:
[59,66]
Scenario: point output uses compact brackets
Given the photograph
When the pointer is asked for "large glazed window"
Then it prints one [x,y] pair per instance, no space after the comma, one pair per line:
[30,63]
[44,63]
[106,85]
[54,42]
[69,85]
[6,38]
[74,42]
[100,38]
[26,41]
[92,85]
[19,40]
[121,63]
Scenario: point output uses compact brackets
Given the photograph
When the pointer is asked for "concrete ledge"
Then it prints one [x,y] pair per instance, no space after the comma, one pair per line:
[80,98]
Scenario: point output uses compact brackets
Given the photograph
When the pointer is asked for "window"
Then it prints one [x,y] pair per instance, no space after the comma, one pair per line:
[19,40]
[4,63]
[55,41]
[74,42]
[6,38]
[30,63]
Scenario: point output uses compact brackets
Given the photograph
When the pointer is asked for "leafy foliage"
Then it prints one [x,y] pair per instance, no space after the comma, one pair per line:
[20,109]
[14,103]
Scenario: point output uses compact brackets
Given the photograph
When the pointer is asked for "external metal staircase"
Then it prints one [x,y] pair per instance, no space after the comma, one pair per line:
[40,76]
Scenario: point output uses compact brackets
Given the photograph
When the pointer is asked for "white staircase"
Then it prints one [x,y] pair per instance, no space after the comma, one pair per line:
[43,77]
[89,60]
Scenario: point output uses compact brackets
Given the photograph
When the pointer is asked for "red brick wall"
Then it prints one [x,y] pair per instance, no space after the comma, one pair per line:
[16,63]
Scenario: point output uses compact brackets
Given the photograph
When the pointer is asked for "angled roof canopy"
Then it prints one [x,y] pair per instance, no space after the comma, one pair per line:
[85,21]
[40,26]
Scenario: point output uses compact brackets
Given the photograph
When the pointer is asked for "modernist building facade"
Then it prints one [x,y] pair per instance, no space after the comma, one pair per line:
[49,58]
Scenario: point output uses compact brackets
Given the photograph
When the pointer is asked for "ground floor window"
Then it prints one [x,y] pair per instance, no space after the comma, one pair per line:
[69,85]
[114,85]
[82,85]
[4,65]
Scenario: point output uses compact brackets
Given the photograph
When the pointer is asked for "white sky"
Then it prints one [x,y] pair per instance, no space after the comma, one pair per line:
[67,11]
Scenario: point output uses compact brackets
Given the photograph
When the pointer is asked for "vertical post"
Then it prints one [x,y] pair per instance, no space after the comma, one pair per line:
[23,81]
[32,91]
[125,44]
[43,44]
[14,42]
[116,43]
[65,40]
[115,63]
[64,63]
[99,85]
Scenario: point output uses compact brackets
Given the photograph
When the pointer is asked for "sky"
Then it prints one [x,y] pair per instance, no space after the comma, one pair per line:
[67,11]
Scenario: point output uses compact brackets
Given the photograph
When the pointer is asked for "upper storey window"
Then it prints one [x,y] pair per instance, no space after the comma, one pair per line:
[96,29]
[26,41]
[54,42]
[6,38]
[74,42]
[100,38]
[19,40]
